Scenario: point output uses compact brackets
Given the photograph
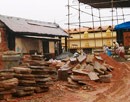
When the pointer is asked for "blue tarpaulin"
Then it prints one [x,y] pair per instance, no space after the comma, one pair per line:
[123,26]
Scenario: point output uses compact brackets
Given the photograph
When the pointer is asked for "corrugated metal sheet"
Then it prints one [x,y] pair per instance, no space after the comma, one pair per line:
[32,26]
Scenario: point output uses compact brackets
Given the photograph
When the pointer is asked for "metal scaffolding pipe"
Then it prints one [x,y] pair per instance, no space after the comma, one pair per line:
[93,25]
[68,25]
[91,21]
[84,12]
[117,15]
[101,19]
[112,17]
[79,26]
[100,25]
[123,15]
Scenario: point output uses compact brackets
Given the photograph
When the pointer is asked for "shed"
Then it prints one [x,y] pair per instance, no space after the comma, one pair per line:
[24,35]
[123,33]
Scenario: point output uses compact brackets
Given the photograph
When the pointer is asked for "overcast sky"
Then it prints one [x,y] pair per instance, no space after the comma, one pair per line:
[45,10]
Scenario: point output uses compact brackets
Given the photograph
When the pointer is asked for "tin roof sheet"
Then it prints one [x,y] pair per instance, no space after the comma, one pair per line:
[32,26]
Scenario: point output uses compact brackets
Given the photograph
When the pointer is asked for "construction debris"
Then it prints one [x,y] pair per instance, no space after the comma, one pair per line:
[93,76]
[35,75]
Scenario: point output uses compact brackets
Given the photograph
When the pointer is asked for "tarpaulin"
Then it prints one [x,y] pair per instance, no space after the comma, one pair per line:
[123,26]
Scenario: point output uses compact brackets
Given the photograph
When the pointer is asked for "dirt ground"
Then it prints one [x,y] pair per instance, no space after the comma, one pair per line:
[116,91]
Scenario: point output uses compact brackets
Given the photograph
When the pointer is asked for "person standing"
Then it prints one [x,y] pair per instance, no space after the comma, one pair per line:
[122,51]
[105,49]
[109,51]
[116,47]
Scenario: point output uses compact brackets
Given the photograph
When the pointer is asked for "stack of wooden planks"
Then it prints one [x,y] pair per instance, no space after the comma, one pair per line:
[26,81]
[7,83]
[43,75]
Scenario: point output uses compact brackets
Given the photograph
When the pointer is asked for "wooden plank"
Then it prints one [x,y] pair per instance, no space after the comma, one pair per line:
[43,89]
[100,68]
[41,76]
[93,76]
[5,97]
[89,58]
[9,83]
[105,78]
[63,74]
[81,58]
[80,72]
[25,88]
[5,76]
[98,57]
[21,93]
[22,70]
[72,59]
[24,76]
[8,91]
[43,79]
[78,77]
[27,82]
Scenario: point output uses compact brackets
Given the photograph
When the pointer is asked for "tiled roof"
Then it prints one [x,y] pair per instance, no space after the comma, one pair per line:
[89,29]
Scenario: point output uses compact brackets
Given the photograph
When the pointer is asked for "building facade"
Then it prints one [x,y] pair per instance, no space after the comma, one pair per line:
[25,36]
[89,39]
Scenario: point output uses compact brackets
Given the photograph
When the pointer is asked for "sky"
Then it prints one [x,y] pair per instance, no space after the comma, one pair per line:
[53,11]
[43,10]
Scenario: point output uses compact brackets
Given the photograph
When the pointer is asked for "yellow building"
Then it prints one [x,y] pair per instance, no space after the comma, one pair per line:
[90,39]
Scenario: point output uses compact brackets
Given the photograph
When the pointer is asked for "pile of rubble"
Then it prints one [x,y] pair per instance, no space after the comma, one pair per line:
[78,70]
[35,75]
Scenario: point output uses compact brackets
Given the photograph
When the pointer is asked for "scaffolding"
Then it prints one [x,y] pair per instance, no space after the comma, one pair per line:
[115,17]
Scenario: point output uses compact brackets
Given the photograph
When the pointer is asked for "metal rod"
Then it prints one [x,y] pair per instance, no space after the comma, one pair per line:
[100,25]
[84,11]
[93,26]
[79,26]
[112,19]
[123,15]
[117,15]
[90,21]
[68,25]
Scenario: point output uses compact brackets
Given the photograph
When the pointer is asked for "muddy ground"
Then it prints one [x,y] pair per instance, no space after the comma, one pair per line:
[116,91]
